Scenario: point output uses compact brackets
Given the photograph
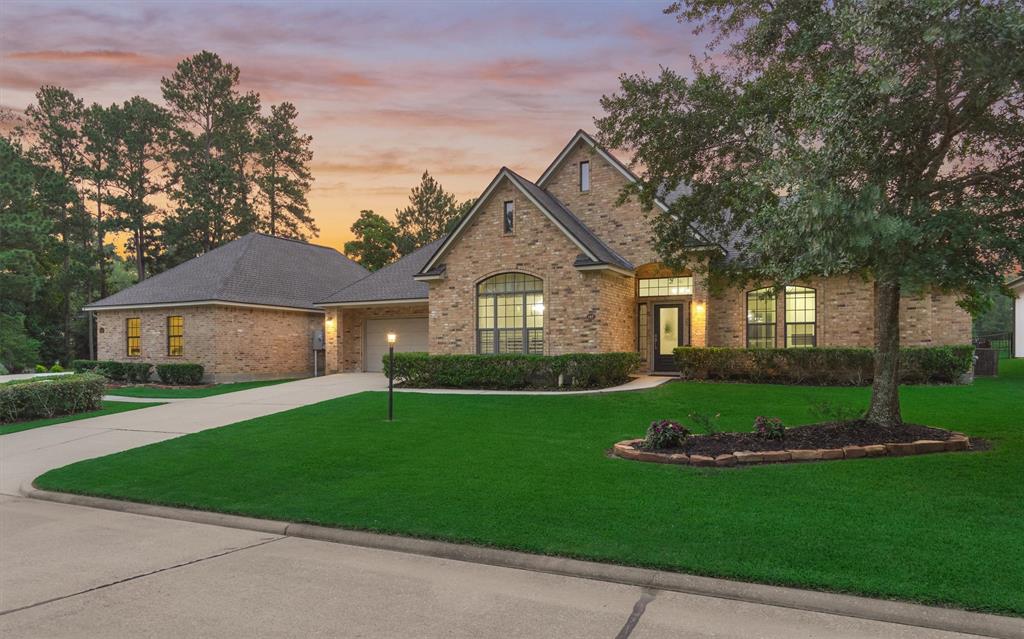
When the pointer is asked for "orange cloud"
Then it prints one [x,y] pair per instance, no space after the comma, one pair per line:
[53,55]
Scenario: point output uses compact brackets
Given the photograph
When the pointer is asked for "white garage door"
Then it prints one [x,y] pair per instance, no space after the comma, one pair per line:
[412,337]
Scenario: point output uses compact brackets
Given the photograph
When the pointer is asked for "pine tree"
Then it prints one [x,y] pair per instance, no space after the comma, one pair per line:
[430,214]
[140,137]
[212,151]
[283,174]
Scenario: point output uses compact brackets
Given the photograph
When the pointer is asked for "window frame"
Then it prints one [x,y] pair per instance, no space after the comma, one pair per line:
[803,291]
[508,217]
[584,188]
[133,337]
[179,336]
[772,308]
[531,294]
[641,280]
[643,328]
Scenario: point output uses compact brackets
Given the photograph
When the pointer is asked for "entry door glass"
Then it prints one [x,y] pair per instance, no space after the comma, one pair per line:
[669,328]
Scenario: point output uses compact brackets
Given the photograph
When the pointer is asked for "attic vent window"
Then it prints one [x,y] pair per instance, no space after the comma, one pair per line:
[584,177]
[509,216]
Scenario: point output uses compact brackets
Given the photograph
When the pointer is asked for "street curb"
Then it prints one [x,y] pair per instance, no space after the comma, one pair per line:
[947,619]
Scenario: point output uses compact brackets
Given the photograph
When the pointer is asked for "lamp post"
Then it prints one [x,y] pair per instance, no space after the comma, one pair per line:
[392,338]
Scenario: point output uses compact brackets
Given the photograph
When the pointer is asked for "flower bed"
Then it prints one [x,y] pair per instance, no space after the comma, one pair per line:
[838,440]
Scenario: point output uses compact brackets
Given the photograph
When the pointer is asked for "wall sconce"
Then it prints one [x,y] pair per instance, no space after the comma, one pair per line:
[699,307]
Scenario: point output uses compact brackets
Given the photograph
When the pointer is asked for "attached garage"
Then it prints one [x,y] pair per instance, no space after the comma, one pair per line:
[412,338]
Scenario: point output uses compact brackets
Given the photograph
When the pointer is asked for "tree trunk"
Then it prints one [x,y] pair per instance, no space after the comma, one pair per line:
[101,253]
[140,258]
[885,387]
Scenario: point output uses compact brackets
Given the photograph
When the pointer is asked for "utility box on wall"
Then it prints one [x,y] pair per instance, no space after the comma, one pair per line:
[318,340]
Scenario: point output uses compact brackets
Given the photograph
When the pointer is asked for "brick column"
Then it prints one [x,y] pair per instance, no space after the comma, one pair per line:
[331,342]
[699,310]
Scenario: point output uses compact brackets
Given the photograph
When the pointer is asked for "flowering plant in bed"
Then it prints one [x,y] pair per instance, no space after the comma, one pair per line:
[664,434]
[769,427]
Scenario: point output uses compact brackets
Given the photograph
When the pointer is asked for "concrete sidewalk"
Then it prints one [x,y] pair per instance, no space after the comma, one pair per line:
[27,454]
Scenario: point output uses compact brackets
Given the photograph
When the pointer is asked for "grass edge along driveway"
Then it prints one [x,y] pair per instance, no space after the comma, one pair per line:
[186,392]
[532,474]
[108,408]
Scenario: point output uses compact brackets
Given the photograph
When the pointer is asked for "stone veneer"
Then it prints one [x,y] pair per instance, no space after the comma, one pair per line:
[233,343]
[345,332]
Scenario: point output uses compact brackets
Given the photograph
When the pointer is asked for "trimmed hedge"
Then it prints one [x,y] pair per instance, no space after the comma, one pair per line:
[180,374]
[822,366]
[514,372]
[49,397]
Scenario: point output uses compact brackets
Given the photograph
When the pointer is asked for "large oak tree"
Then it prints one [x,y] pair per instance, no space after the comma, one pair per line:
[879,138]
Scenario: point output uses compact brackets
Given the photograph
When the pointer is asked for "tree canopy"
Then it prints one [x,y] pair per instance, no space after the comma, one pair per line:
[881,139]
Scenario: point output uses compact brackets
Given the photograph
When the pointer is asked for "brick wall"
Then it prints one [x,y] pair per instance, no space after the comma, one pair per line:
[585,311]
[845,316]
[625,228]
[232,343]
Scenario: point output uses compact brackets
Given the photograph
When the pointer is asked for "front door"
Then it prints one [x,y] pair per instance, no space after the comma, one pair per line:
[671,330]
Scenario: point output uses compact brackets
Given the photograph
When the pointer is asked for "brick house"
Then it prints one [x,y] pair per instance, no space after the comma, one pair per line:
[244,310]
[558,266]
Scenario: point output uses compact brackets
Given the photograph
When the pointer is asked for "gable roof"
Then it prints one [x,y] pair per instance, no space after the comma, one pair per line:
[660,202]
[254,269]
[594,252]
[392,283]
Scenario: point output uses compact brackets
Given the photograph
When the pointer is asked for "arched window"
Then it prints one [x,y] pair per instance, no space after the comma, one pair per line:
[761,318]
[800,317]
[510,314]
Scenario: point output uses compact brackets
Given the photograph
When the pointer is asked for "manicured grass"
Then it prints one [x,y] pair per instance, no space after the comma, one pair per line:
[185,392]
[531,473]
[109,408]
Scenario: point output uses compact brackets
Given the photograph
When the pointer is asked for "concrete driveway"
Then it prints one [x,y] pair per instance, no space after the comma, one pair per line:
[69,571]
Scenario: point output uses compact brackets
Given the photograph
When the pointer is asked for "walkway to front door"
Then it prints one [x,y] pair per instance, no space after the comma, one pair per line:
[671,330]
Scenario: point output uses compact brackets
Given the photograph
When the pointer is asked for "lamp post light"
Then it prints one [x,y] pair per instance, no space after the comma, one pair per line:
[392,338]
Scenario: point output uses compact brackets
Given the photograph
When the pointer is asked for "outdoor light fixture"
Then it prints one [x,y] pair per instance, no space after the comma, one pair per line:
[538,308]
[392,338]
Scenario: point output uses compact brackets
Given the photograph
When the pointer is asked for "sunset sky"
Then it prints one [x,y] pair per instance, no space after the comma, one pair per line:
[385,89]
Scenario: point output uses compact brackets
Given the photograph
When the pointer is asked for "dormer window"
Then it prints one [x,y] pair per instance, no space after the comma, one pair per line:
[584,177]
[509,217]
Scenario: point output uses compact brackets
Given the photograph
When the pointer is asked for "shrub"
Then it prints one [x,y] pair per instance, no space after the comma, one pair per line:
[821,366]
[513,371]
[180,374]
[83,365]
[137,372]
[56,368]
[40,368]
[664,434]
[3,370]
[769,428]
[49,397]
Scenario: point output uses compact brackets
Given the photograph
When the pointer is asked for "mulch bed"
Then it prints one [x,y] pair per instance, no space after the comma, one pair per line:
[812,436]
[122,385]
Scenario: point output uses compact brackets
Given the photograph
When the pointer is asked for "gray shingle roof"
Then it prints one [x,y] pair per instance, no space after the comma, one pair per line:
[254,269]
[393,282]
[575,227]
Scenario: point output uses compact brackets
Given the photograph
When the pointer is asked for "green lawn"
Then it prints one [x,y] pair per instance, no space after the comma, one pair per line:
[185,392]
[109,408]
[531,473]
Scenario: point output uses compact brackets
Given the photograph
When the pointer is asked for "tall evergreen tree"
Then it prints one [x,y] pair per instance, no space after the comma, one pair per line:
[283,174]
[213,144]
[54,130]
[374,246]
[98,151]
[25,245]
[140,136]
[430,214]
